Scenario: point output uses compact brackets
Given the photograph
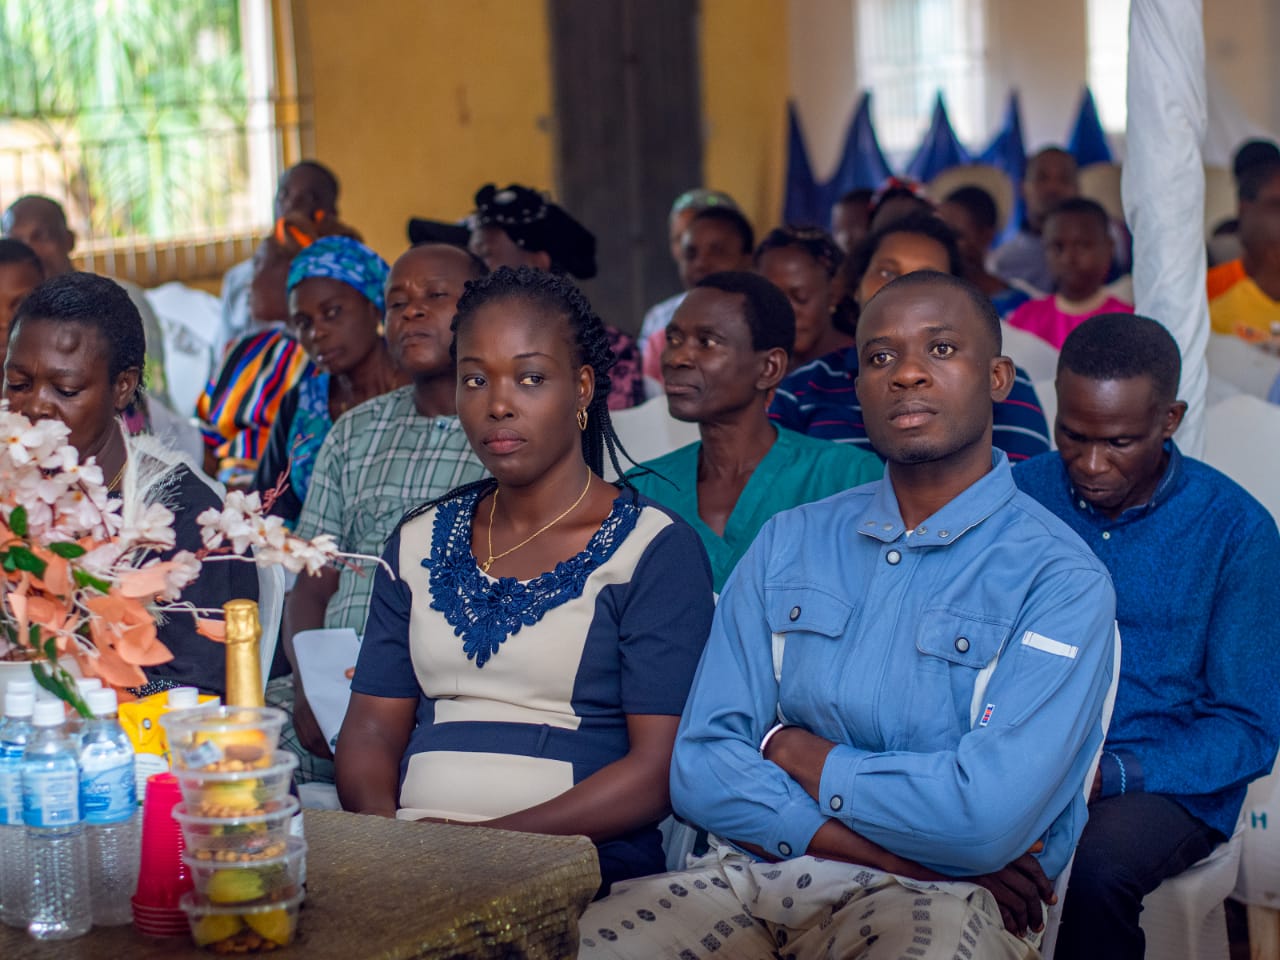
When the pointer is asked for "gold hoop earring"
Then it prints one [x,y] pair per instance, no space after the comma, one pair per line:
[582,419]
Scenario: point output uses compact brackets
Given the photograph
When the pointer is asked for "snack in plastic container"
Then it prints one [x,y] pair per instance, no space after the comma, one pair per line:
[241,793]
[242,929]
[223,739]
[263,880]
[240,838]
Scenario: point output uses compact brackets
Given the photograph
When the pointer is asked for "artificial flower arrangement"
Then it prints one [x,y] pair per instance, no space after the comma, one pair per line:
[79,582]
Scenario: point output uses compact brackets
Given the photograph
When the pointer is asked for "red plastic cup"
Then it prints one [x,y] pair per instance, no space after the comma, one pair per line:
[162,876]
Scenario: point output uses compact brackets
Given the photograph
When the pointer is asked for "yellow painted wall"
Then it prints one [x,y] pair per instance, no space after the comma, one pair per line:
[419,102]
[744,96]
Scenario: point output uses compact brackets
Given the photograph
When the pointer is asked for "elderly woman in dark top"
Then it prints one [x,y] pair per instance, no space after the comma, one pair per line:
[76,353]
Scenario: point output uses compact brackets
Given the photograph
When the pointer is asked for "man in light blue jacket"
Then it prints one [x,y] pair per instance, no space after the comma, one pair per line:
[903,688]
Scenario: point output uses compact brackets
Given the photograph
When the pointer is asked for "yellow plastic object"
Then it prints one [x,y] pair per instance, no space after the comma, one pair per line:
[141,721]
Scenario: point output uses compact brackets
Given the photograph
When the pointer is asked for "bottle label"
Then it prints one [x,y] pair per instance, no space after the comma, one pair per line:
[10,793]
[109,795]
[50,798]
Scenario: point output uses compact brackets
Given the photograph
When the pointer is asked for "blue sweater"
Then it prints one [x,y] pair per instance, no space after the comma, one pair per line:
[1196,572]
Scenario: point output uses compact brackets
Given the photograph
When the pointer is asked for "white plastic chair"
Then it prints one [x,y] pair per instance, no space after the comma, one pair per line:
[1037,357]
[1053,915]
[1242,439]
[649,431]
[270,614]
[1047,394]
[1184,918]
[1249,368]
[1258,885]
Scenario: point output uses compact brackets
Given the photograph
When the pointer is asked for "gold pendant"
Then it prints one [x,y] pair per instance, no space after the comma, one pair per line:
[484,567]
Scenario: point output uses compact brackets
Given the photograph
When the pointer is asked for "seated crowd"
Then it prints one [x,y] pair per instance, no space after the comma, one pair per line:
[862,635]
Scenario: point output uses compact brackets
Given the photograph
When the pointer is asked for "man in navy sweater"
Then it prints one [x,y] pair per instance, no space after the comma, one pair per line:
[1196,562]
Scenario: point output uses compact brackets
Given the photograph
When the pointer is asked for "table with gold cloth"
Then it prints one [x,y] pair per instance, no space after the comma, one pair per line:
[400,891]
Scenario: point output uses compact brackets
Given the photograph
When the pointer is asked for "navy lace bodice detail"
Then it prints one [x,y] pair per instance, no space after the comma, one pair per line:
[484,612]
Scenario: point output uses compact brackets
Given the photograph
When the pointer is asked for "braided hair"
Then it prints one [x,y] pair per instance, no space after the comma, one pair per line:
[555,294]
[821,246]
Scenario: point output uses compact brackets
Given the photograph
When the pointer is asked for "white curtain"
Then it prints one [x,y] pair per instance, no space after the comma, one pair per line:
[1163,187]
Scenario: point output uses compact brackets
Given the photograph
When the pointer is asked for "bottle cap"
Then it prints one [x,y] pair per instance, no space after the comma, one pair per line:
[49,713]
[18,703]
[102,702]
[21,686]
[85,684]
[183,698]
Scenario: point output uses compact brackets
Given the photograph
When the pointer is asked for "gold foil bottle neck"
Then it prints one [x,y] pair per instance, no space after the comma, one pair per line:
[244,665]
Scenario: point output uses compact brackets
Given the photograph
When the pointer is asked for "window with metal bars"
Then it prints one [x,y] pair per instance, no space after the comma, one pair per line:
[908,51]
[159,126]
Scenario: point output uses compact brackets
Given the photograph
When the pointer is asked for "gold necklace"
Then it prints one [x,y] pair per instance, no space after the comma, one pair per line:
[493,507]
[116,479]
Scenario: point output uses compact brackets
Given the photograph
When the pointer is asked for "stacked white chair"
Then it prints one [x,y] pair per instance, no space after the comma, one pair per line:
[270,614]
[1250,369]
[649,431]
[1037,357]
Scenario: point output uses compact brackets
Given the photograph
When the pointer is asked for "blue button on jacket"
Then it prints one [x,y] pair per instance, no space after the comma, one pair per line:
[963,679]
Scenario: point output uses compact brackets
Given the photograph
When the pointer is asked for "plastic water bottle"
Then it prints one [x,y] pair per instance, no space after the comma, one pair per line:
[75,722]
[15,882]
[109,798]
[56,846]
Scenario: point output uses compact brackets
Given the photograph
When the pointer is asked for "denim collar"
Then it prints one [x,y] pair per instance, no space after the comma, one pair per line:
[882,519]
[1163,491]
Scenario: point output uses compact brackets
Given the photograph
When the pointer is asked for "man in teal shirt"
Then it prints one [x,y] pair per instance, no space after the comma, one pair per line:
[726,349]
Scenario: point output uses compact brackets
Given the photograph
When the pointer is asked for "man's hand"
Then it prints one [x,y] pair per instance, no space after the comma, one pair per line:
[801,754]
[1019,889]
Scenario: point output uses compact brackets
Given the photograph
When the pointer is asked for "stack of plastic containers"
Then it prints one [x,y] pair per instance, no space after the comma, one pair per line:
[235,817]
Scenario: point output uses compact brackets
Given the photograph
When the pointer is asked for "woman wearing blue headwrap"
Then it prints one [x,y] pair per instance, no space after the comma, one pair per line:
[336,304]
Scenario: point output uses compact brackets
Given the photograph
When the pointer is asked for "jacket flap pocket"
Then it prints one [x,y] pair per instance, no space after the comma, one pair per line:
[960,637]
[799,608]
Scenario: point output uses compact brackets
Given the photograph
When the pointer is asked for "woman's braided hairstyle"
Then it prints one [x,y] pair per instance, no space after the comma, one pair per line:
[821,247]
[556,295]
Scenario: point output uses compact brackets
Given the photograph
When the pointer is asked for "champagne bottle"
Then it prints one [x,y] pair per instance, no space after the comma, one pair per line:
[244,664]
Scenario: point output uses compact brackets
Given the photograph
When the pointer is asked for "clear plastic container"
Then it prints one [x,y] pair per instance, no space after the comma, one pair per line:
[238,794]
[223,739]
[268,880]
[232,839]
[242,929]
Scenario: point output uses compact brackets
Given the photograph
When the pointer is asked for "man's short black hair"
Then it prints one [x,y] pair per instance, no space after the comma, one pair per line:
[981,303]
[93,301]
[1251,153]
[979,204]
[1253,178]
[15,251]
[735,220]
[329,178]
[919,224]
[1084,207]
[766,309]
[1121,346]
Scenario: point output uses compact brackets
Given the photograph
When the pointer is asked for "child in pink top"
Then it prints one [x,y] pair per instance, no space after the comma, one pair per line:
[1078,248]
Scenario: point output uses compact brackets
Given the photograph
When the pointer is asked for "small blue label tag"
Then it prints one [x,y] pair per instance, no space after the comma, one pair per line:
[986,715]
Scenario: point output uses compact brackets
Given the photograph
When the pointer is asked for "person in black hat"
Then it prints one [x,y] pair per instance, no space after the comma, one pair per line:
[518,226]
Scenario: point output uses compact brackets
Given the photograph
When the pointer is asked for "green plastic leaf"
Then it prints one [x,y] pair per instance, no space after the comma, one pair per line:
[24,559]
[84,579]
[68,550]
[18,521]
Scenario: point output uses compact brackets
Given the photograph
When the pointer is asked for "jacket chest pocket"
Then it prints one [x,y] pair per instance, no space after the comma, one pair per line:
[805,624]
[958,654]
